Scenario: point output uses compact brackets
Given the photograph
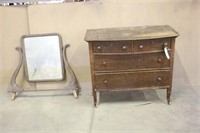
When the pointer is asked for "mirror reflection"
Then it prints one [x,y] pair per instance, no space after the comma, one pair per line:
[43,60]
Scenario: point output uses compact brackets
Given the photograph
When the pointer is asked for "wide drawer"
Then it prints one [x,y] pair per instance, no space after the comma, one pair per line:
[131,80]
[132,61]
[112,47]
[152,45]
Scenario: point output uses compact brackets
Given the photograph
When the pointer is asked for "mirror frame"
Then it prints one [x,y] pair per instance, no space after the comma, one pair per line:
[25,59]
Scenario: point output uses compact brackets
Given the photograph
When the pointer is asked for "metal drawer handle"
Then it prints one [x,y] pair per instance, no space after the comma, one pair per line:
[124,47]
[99,47]
[105,81]
[165,43]
[159,78]
[141,46]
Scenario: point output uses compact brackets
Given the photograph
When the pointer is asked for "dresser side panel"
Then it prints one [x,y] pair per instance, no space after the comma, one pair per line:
[172,59]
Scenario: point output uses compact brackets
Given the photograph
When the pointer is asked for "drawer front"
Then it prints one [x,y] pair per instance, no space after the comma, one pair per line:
[132,80]
[152,45]
[112,47]
[125,62]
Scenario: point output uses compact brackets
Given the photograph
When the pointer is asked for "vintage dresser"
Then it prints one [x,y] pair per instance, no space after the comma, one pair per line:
[131,58]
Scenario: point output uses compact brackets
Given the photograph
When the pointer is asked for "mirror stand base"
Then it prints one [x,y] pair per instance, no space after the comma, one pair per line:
[73,84]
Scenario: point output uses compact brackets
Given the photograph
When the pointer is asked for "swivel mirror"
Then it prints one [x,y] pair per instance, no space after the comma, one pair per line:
[43,60]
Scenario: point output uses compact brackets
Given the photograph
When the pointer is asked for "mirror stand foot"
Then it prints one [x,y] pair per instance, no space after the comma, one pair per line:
[75,93]
[13,96]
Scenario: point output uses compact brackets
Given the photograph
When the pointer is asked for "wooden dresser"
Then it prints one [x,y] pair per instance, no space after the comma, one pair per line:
[131,58]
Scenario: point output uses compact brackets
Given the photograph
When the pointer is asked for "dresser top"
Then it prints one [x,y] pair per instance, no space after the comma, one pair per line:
[130,33]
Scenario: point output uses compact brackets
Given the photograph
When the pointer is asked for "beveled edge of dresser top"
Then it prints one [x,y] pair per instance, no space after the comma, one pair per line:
[130,33]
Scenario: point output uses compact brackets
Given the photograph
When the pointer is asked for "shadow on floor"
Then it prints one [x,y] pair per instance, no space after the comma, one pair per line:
[129,96]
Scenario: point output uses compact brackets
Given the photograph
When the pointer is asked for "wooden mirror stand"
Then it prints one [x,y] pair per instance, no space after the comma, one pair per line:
[72,85]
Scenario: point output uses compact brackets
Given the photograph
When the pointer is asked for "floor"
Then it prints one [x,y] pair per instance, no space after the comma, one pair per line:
[118,112]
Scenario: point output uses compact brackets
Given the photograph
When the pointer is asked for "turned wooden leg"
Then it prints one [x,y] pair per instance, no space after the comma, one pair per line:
[13,96]
[168,95]
[95,97]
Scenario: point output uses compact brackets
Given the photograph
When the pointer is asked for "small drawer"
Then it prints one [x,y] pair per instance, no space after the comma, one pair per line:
[132,61]
[152,45]
[112,47]
[132,80]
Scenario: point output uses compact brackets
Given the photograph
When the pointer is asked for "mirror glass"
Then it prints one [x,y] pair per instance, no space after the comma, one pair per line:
[43,60]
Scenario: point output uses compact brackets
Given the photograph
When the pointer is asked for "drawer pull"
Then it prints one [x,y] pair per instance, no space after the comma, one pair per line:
[104,63]
[141,46]
[159,60]
[124,47]
[99,47]
[105,81]
[159,78]
[165,44]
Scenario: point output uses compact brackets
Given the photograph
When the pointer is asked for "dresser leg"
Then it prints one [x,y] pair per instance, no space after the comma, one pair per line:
[95,98]
[168,95]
